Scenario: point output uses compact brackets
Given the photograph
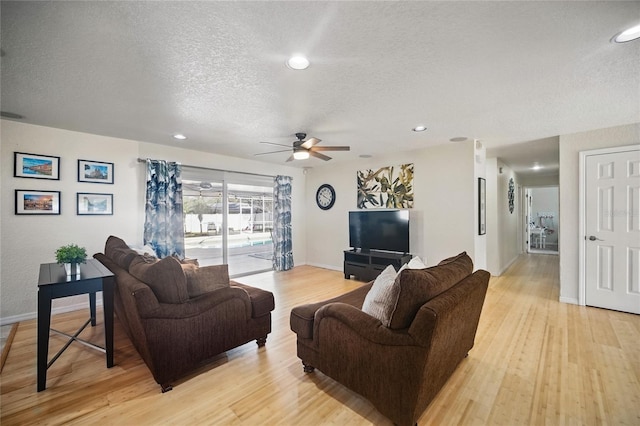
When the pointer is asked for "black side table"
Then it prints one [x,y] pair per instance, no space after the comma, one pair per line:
[53,284]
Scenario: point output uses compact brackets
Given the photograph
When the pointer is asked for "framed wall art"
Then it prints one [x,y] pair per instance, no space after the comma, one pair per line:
[95,171]
[482,206]
[94,204]
[511,195]
[37,202]
[387,188]
[36,166]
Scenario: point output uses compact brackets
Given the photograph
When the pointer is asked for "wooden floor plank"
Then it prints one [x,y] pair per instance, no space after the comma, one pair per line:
[535,361]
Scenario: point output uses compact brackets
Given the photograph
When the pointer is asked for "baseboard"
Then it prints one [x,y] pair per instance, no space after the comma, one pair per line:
[508,265]
[569,300]
[54,311]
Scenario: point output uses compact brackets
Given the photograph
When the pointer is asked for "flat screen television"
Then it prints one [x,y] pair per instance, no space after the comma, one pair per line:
[386,230]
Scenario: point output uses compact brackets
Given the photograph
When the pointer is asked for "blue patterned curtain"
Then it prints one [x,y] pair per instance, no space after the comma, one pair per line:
[282,247]
[163,222]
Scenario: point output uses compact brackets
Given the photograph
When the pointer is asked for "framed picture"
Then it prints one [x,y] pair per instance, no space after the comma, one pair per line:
[95,204]
[36,166]
[95,171]
[482,206]
[37,202]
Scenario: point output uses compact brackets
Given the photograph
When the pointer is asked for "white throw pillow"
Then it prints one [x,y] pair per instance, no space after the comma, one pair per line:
[416,263]
[381,300]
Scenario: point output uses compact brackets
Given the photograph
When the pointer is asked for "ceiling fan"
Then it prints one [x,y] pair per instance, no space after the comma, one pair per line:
[303,149]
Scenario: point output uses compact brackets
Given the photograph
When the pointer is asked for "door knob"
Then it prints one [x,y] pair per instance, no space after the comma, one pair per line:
[594,238]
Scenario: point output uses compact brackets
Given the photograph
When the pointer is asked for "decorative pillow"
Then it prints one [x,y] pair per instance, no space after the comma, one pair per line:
[164,276]
[417,286]
[112,244]
[415,263]
[205,279]
[123,257]
[381,299]
[187,261]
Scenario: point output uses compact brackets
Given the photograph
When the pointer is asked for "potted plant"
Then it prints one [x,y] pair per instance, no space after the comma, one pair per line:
[70,256]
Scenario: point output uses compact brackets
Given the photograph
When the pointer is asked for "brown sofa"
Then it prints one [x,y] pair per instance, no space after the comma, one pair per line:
[400,367]
[179,315]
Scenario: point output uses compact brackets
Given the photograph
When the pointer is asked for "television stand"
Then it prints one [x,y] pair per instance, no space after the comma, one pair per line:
[366,266]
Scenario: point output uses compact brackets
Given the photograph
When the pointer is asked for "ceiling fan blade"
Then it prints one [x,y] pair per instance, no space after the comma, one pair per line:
[320,156]
[331,148]
[273,152]
[290,158]
[310,142]
[277,144]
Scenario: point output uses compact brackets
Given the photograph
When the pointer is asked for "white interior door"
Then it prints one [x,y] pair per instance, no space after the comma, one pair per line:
[612,230]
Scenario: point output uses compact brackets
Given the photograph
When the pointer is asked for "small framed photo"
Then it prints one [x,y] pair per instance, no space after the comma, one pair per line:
[36,166]
[95,204]
[95,171]
[482,206]
[37,202]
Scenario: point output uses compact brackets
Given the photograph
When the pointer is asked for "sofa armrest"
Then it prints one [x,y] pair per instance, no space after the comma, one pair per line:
[262,301]
[421,328]
[360,323]
[191,308]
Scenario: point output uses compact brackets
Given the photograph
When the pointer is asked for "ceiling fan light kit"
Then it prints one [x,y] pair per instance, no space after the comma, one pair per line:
[304,149]
[300,154]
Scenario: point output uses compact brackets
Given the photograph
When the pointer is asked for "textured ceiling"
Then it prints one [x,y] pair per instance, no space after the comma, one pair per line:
[502,72]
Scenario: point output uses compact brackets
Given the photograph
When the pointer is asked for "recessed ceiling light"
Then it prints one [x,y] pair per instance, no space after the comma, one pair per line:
[298,62]
[179,136]
[419,128]
[459,139]
[365,155]
[630,34]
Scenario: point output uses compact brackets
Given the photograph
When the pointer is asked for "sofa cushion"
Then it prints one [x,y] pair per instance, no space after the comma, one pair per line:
[201,280]
[165,277]
[382,298]
[418,286]
[455,258]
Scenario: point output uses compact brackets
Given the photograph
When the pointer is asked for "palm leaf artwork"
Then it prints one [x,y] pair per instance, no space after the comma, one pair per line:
[387,187]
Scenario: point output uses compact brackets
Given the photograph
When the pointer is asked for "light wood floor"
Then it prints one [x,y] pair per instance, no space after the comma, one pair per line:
[535,361]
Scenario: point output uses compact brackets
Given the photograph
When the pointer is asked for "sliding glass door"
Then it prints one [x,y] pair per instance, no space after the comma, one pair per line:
[228,219]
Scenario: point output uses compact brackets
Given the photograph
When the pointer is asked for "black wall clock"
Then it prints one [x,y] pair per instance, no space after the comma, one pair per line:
[325,196]
[511,195]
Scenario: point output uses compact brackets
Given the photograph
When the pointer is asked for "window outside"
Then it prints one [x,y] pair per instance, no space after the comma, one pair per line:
[245,242]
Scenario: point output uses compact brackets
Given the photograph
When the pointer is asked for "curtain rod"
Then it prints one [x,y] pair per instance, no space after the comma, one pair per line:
[144,160]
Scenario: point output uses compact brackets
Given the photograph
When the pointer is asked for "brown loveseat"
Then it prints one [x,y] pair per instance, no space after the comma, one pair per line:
[400,367]
[178,315]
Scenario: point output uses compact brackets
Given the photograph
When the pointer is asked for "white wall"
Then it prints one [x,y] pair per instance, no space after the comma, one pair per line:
[443,220]
[503,238]
[28,241]
[570,147]
[545,180]
[480,241]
